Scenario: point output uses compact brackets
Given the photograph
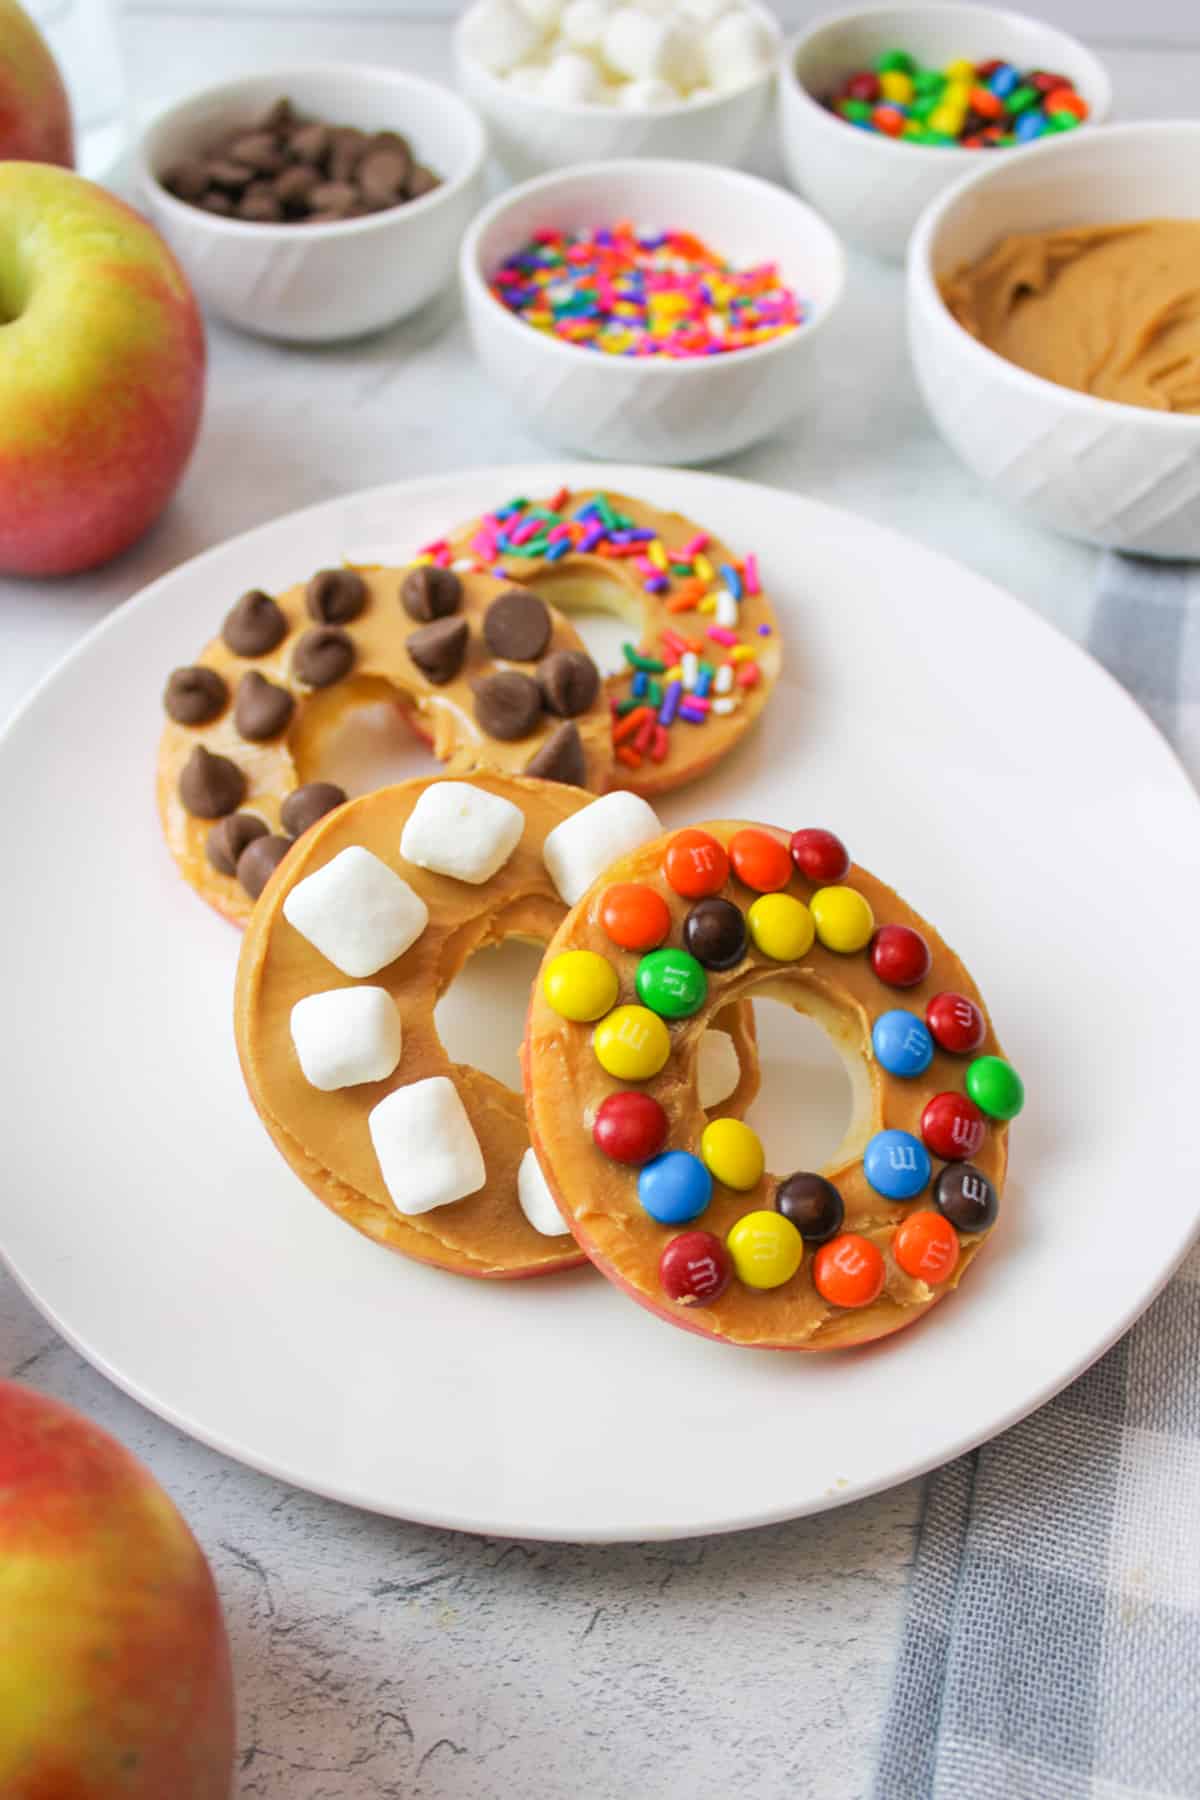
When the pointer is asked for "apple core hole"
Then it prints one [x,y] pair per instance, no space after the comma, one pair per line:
[806,1102]
[481,1016]
[372,747]
[603,613]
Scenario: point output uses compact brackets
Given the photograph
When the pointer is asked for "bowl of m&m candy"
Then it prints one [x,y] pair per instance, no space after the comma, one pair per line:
[651,311]
[883,108]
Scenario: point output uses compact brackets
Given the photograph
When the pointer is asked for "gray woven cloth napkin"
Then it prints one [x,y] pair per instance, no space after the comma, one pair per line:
[1051,1649]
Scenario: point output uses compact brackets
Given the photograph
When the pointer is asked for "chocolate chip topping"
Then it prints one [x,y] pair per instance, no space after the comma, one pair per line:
[561,757]
[508,705]
[227,840]
[569,681]
[194,695]
[254,626]
[438,649]
[517,626]
[211,786]
[335,596]
[322,656]
[258,862]
[305,805]
[430,593]
[262,709]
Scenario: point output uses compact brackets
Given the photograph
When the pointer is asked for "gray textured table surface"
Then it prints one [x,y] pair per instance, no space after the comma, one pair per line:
[379,1659]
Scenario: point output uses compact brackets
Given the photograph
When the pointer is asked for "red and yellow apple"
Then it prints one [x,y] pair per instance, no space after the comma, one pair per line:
[114,1664]
[101,372]
[35,115]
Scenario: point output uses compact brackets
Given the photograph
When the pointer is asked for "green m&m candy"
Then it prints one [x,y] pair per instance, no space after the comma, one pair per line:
[995,1087]
[897,62]
[671,983]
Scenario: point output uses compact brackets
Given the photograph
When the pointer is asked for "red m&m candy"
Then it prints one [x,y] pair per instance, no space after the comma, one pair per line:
[695,1268]
[926,1247]
[634,916]
[820,856]
[900,956]
[956,1023]
[630,1127]
[695,864]
[953,1127]
[760,861]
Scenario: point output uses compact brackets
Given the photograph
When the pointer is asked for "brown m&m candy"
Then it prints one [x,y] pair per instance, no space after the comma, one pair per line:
[335,596]
[438,649]
[255,625]
[561,757]
[227,840]
[813,1205]
[714,932]
[259,861]
[195,695]
[323,656]
[429,593]
[517,626]
[964,1195]
[211,786]
[508,705]
[569,681]
[305,805]
[262,708]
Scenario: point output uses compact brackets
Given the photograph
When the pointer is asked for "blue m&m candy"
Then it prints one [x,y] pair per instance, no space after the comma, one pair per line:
[896,1164]
[676,1187]
[903,1044]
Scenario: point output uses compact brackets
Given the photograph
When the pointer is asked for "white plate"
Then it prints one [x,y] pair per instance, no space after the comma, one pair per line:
[967,753]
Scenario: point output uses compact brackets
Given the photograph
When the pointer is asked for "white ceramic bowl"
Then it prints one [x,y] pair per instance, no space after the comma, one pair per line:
[645,409]
[310,283]
[871,187]
[1122,476]
[531,135]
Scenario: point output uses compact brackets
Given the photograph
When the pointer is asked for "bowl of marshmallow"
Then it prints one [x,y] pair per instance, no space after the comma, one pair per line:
[575,81]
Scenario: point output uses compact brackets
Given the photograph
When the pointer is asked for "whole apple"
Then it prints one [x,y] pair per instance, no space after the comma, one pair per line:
[35,115]
[114,1664]
[101,372]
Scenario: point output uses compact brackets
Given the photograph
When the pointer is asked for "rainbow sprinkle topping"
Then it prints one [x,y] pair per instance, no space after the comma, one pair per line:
[629,293]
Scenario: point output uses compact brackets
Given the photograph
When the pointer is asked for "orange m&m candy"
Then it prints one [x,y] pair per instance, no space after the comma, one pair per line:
[848,1271]
[760,861]
[634,916]
[695,864]
[926,1247]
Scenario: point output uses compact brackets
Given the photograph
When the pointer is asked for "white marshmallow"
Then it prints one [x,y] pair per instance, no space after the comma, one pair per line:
[647,96]
[427,1149]
[701,93]
[583,21]
[346,1035]
[527,79]
[461,831]
[583,846]
[537,1202]
[718,1070]
[572,79]
[501,35]
[645,48]
[544,13]
[737,50]
[357,912]
[706,12]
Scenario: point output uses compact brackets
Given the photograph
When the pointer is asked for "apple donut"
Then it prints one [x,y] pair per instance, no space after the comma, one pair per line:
[355,939]
[680,1211]
[494,676]
[705,649]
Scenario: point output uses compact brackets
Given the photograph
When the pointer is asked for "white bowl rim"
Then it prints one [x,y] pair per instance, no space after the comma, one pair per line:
[683,368]
[922,284]
[935,155]
[261,231]
[590,109]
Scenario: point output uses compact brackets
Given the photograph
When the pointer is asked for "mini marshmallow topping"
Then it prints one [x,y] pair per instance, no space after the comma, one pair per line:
[357,912]
[346,1035]
[427,1150]
[537,1202]
[581,848]
[461,831]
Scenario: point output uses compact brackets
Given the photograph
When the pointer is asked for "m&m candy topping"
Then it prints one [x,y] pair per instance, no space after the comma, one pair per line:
[695,1268]
[634,916]
[733,1153]
[675,1187]
[820,856]
[781,927]
[632,1043]
[766,1249]
[671,982]
[953,1127]
[696,864]
[926,1247]
[902,1044]
[580,985]
[813,1205]
[900,956]
[715,933]
[850,1271]
[956,1023]
[995,1087]
[760,861]
[897,1165]
[965,1196]
[630,1127]
[843,919]
[972,104]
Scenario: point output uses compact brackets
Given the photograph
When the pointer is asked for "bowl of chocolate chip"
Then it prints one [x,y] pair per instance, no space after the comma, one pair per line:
[312,204]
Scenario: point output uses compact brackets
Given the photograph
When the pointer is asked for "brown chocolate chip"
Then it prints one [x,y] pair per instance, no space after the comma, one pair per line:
[278,117]
[259,151]
[195,695]
[218,203]
[333,196]
[188,179]
[381,176]
[294,187]
[335,596]
[311,142]
[439,649]
[323,656]
[225,173]
[254,626]
[262,709]
[508,705]
[211,786]
[517,626]
[428,593]
[569,681]
[305,805]
[259,861]
[260,209]
[346,151]
[421,181]
[227,840]
[561,757]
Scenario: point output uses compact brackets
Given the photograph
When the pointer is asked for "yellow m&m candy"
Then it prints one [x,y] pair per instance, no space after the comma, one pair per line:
[844,919]
[766,1249]
[632,1043]
[733,1153]
[580,984]
[781,927]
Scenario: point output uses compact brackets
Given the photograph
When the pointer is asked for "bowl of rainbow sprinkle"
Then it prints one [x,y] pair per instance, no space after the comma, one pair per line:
[883,108]
[678,339]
